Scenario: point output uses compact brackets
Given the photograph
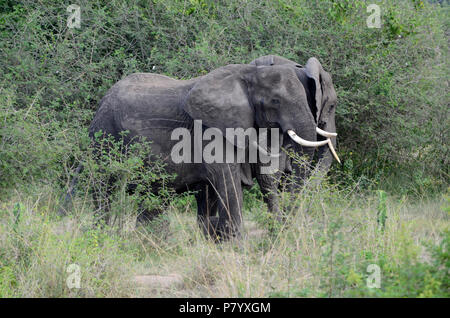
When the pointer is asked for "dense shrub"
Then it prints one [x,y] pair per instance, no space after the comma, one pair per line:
[119,175]
[392,82]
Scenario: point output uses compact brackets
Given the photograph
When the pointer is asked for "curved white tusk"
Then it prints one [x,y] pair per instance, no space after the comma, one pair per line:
[330,145]
[325,133]
[307,143]
[264,152]
[304,142]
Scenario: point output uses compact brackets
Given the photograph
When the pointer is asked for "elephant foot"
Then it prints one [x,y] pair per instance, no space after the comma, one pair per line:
[219,230]
[275,224]
[102,219]
[292,208]
[147,216]
[208,225]
[227,231]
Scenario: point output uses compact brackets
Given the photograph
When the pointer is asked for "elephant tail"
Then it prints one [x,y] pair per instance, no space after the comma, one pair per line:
[70,192]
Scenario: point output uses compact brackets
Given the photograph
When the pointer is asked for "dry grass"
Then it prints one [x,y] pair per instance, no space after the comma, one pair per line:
[325,242]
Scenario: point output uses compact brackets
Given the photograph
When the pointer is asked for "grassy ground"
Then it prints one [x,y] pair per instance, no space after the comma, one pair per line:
[324,248]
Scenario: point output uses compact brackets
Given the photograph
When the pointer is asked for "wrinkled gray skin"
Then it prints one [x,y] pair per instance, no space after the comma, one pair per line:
[322,99]
[233,96]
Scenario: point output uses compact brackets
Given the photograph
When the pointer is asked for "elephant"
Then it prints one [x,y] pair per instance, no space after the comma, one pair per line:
[322,100]
[236,96]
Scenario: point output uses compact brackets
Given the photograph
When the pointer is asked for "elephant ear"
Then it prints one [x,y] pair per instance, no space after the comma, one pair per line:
[313,70]
[220,100]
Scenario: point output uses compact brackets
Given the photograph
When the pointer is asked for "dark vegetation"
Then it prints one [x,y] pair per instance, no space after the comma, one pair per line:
[392,83]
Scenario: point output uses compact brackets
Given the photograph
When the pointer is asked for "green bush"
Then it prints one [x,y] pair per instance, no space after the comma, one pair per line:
[36,147]
[413,277]
[392,115]
[121,174]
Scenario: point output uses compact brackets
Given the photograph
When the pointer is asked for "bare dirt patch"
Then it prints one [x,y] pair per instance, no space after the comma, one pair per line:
[158,281]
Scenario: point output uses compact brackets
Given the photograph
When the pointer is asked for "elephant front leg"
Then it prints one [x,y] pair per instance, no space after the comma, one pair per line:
[207,209]
[226,183]
[269,188]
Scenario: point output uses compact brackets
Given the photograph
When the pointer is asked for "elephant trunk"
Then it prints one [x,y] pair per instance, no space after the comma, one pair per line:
[319,138]
[303,139]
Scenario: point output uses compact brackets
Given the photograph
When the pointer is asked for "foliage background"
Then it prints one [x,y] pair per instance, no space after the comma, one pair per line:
[392,82]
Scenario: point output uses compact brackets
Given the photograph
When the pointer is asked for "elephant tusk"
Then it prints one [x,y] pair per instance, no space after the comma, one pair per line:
[307,143]
[325,133]
[330,145]
[304,142]
[264,152]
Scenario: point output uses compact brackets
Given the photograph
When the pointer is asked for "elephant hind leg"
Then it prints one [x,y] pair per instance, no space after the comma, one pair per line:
[147,216]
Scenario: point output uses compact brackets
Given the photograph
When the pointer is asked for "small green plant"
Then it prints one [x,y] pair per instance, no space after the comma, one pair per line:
[381,210]
[17,211]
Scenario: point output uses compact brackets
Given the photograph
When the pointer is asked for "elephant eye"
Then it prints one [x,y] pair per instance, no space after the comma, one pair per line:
[276,101]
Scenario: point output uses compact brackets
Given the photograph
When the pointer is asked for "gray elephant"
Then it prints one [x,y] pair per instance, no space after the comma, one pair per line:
[231,97]
[322,99]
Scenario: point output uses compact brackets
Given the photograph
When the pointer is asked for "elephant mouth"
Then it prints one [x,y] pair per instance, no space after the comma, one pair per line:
[329,135]
[307,143]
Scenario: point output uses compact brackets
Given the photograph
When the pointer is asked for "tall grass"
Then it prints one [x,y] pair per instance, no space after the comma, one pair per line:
[322,250]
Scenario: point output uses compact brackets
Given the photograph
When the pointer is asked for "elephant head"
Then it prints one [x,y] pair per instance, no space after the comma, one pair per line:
[245,96]
[322,100]
[325,100]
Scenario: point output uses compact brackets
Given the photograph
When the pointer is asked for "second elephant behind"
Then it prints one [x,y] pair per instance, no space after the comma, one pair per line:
[322,100]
